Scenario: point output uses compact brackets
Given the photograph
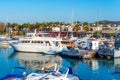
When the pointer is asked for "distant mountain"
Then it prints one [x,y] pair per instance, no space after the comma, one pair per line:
[111,22]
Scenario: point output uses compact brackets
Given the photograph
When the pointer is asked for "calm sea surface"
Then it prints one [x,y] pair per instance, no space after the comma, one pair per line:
[92,69]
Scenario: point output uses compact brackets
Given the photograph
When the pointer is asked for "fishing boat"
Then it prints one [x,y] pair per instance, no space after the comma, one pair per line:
[56,74]
[4,41]
[78,53]
[110,49]
[39,42]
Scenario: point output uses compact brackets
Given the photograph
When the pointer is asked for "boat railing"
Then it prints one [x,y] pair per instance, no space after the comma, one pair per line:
[57,69]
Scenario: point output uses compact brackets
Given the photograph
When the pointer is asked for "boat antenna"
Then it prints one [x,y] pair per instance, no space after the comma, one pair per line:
[72,17]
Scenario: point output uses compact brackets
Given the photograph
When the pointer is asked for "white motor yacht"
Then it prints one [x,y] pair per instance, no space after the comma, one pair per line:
[39,42]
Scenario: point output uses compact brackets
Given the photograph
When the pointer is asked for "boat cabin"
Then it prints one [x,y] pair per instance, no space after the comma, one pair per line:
[90,44]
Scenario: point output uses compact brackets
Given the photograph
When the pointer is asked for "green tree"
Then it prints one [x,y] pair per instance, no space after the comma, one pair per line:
[86,28]
[26,25]
[76,27]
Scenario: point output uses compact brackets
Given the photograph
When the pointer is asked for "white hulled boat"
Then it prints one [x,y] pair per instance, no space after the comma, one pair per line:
[59,73]
[39,42]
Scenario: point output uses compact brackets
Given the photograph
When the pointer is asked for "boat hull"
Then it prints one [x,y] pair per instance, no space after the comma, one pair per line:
[35,48]
[83,54]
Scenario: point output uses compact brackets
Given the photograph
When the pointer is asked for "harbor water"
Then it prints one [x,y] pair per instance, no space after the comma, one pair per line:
[86,69]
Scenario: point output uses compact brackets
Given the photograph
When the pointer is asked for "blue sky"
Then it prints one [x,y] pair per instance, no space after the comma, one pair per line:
[22,11]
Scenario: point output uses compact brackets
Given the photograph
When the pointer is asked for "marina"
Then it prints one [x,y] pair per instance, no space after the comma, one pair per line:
[59,40]
[94,69]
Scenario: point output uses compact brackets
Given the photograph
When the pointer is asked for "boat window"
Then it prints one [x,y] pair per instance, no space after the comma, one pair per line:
[41,42]
[38,41]
[40,35]
[47,43]
[35,42]
[57,44]
[25,41]
[82,42]
[32,42]
[77,51]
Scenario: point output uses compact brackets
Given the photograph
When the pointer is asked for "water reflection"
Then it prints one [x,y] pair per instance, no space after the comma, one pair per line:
[117,64]
[6,63]
[94,69]
[86,69]
[71,62]
[92,63]
[35,60]
[117,67]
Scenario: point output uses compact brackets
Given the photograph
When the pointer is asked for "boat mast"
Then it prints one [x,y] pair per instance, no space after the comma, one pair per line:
[7,29]
[97,24]
[72,23]
[72,19]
